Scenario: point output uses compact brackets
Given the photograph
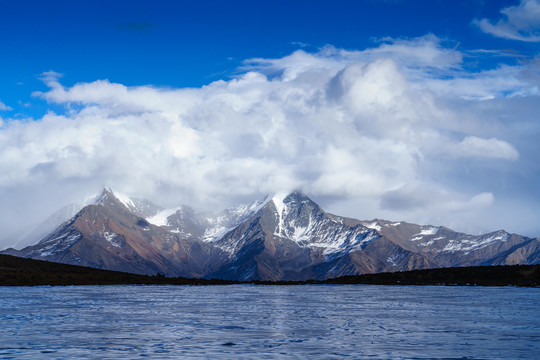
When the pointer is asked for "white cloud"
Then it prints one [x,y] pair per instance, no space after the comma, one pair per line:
[521,22]
[4,107]
[473,146]
[429,203]
[428,198]
[425,62]
[419,58]
[469,147]
[504,81]
[363,127]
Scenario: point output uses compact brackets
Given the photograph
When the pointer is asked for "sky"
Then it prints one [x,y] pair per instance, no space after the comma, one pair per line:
[405,110]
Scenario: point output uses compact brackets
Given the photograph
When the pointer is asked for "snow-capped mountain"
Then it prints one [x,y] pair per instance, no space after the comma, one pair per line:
[281,237]
[291,237]
[141,207]
[205,227]
[110,233]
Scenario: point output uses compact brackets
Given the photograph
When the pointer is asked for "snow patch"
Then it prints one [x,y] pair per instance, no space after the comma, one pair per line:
[124,199]
[59,244]
[241,211]
[110,237]
[430,230]
[281,211]
[215,233]
[425,231]
[373,225]
[160,219]
[278,201]
[470,243]
[230,218]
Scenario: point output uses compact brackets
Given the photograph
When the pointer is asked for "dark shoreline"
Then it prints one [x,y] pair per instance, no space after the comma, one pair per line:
[16,271]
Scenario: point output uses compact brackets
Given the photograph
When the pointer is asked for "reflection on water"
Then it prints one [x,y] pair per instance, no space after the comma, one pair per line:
[270,322]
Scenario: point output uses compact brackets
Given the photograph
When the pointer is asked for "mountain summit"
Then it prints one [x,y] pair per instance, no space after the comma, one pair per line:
[281,237]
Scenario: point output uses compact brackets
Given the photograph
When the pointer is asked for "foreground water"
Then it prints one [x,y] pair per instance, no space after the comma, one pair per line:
[281,322]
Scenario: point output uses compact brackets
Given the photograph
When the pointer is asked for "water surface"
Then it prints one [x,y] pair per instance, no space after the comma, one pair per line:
[272,322]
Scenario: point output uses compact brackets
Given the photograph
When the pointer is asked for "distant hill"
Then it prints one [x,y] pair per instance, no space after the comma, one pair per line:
[501,275]
[16,271]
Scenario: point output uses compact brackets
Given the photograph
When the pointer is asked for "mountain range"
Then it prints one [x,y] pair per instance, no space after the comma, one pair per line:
[287,237]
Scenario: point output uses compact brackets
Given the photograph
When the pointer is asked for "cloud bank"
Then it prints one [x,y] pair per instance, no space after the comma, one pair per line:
[379,132]
[521,22]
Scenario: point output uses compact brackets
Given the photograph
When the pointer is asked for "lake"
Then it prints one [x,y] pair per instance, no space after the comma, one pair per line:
[269,322]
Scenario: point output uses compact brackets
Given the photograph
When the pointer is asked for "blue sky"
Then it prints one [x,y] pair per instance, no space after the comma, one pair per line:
[424,111]
[191,43]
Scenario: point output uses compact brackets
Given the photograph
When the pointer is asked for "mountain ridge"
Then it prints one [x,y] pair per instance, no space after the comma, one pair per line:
[287,237]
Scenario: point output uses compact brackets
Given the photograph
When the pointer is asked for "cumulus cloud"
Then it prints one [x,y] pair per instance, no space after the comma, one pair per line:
[521,22]
[50,78]
[4,107]
[427,62]
[469,147]
[426,198]
[420,58]
[430,203]
[473,146]
[367,127]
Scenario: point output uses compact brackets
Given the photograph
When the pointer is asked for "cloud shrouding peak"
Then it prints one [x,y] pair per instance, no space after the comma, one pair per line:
[362,126]
[521,22]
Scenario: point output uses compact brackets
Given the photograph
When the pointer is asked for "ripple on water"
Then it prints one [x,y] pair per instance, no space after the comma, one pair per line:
[272,322]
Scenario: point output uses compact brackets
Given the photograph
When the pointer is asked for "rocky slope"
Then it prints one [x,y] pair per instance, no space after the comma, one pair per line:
[275,238]
[112,234]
